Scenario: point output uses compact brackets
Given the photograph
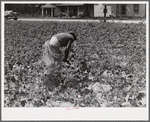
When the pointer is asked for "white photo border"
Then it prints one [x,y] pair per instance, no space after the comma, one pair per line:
[50,114]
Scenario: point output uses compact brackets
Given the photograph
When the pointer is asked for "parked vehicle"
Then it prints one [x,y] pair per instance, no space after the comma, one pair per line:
[11,15]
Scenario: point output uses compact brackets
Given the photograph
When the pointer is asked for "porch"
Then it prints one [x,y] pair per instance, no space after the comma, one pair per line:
[67,10]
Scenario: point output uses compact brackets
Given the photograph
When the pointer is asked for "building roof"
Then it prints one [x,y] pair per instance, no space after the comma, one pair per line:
[48,6]
[71,4]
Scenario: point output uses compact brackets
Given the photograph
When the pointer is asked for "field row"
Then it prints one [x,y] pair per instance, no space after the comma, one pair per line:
[108,65]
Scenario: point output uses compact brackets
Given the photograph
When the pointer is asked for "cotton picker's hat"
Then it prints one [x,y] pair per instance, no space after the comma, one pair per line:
[73,34]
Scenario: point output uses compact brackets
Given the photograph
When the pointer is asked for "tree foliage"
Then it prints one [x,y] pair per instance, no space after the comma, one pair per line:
[24,8]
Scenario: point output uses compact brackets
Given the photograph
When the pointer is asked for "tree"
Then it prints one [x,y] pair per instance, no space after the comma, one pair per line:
[24,8]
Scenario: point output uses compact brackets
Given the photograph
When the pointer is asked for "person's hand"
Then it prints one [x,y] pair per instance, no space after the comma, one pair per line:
[41,63]
[68,62]
[64,60]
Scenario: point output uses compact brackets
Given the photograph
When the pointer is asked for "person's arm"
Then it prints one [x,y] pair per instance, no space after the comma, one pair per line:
[67,50]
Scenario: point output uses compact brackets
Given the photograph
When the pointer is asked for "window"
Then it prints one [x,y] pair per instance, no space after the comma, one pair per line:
[136,8]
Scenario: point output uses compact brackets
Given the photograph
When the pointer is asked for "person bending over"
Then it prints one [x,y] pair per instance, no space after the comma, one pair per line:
[53,55]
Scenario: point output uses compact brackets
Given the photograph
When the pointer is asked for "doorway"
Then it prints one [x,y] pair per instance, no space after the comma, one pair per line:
[73,11]
[123,10]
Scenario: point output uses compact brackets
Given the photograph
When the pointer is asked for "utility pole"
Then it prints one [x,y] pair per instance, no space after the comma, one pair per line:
[105,11]
[145,12]
[133,12]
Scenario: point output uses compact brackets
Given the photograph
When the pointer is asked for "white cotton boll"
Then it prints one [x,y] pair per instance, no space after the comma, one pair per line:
[142,102]
[22,68]
[127,97]
[104,104]
[115,97]
[123,74]
[41,63]
[99,98]
[14,66]
[126,104]
[18,67]
[97,88]
[105,73]
[126,89]
[90,76]
[106,87]
[143,91]
[86,71]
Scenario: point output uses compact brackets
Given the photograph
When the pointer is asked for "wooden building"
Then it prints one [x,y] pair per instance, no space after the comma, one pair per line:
[73,10]
[93,10]
[48,10]
[129,10]
[121,10]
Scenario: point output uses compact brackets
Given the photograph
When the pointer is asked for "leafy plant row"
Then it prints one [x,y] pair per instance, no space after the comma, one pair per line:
[108,65]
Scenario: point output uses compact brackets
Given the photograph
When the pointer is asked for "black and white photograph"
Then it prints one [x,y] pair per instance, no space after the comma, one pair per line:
[74,57]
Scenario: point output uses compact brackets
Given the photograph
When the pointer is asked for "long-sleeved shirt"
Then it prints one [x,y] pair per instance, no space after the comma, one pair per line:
[65,39]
